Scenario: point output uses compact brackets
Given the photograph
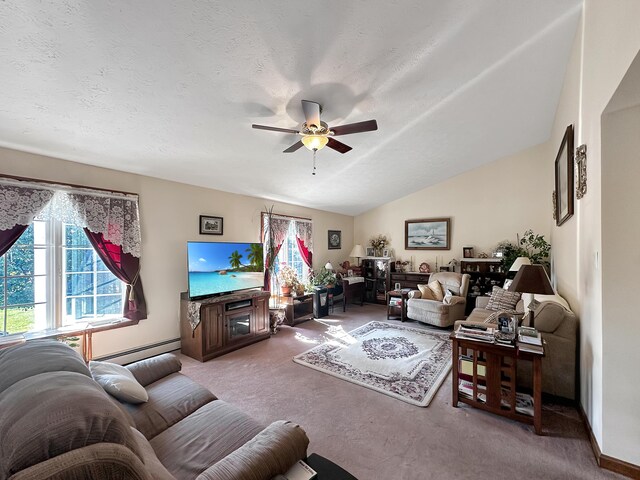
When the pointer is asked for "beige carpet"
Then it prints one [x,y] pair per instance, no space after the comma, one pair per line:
[378,437]
[403,362]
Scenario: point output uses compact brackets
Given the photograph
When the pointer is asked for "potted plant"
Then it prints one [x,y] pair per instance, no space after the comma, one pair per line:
[533,246]
[324,278]
[288,280]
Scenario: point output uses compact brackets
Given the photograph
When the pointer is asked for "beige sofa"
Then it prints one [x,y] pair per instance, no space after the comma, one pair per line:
[439,313]
[56,422]
[558,327]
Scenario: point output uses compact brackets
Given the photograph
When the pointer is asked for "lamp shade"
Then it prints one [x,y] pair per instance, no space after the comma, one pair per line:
[328,266]
[314,142]
[357,251]
[531,279]
[518,263]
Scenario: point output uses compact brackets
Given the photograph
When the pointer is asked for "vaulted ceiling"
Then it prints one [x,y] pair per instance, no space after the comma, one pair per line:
[170,89]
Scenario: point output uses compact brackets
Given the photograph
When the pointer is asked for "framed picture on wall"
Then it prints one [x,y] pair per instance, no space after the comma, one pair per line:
[564,178]
[427,234]
[210,225]
[467,252]
[335,239]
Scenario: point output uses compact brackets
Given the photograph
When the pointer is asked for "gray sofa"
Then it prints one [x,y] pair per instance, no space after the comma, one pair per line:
[558,327]
[56,422]
[439,313]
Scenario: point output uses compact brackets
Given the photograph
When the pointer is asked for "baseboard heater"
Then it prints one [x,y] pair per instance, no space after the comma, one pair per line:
[140,353]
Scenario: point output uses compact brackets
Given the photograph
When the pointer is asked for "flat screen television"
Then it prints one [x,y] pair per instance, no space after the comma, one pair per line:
[216,268]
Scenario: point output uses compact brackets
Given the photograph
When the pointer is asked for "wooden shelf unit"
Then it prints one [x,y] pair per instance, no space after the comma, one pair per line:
[485,273]
[226,323]
[377,278]
[495,390]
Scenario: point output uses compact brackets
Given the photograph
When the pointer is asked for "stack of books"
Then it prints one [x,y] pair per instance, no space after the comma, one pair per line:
[530,340]
[482,334]
[395,302]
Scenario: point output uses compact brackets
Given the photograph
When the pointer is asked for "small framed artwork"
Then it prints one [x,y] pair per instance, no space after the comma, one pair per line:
[210,225]
[371,252]
[335,239]
[564,178]
[349,273]
[385,253]
[507,283]
[427,234]
[467,252]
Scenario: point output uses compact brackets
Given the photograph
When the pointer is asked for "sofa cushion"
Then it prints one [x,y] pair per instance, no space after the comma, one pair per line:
[38,356]
[170,400]
[52,413]
[154,467]
[502,299]
[153,369]
[273,451]
[118,381]
[209,434]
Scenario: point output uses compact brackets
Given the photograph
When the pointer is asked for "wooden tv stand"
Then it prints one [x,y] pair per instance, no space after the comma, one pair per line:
[217,325]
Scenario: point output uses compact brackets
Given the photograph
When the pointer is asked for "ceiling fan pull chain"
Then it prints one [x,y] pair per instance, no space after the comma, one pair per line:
[314,161]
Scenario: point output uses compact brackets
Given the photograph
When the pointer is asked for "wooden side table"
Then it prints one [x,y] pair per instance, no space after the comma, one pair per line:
[493,379]
[391,309]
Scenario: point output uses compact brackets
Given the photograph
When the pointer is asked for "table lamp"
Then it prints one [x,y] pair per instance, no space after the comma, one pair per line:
[531,279]
[357,252]
[518,263]
[328,266]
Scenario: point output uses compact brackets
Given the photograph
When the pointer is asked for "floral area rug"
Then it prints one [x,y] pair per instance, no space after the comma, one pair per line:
[407,363]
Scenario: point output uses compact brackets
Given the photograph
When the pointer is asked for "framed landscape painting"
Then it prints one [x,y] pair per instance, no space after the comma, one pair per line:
[427,234]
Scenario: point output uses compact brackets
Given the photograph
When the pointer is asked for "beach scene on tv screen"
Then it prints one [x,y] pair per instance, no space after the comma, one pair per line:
[224,267]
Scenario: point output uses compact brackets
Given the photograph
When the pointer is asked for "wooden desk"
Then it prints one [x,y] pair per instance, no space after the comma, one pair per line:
[500,365]
[351,291]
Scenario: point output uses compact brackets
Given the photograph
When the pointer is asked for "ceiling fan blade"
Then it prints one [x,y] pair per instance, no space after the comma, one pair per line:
[311,112]
[367,126]
[338,146]
[275,129]
[294,147]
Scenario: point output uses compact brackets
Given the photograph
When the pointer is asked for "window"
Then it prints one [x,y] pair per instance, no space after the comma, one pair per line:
[52,277]
[289,254]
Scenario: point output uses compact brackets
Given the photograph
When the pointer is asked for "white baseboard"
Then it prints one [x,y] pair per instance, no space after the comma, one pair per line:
[143,352]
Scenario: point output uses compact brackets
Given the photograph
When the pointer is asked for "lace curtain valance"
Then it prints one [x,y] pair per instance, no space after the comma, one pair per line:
[280,227]
[304,231]
[114,215]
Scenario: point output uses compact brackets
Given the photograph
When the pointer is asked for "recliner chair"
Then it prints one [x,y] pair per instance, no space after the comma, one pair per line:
[441,313]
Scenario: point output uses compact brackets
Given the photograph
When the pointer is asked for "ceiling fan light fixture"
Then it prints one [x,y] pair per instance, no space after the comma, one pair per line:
[314,142]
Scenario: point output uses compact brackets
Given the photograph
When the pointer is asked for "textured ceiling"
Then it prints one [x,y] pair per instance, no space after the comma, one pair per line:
[170,88]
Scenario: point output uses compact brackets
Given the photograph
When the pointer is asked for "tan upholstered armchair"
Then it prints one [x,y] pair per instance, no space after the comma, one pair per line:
[436,312]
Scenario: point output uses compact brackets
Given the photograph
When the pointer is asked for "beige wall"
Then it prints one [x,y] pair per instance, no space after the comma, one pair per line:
[620,261]
[169,218]
[486,205]
[607,44]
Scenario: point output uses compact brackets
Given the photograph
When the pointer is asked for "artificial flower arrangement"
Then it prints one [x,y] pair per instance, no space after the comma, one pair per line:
[379,242]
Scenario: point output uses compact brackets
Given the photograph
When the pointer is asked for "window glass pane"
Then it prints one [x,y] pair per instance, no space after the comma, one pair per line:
[1,298]
[75,237]
[19,290]
[81,307]
[41,317]
[20,319]
[79,260]
[20,260]
[108,283]
[79,283]
[2,265]
[110,305]
[27,237]
[100,266]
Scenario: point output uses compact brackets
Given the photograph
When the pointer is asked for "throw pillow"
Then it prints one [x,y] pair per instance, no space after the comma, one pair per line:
[118,381]
[502,299]
[425,292]
[436,289]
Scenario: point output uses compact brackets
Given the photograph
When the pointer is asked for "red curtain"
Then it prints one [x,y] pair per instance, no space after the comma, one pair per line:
[267,276]
[9,237]
[126,268]
[304,251]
